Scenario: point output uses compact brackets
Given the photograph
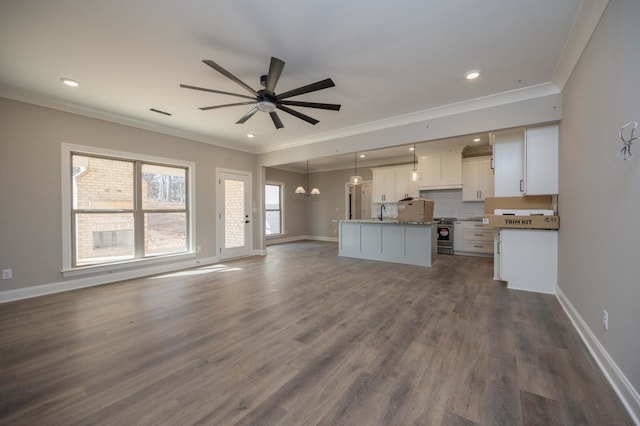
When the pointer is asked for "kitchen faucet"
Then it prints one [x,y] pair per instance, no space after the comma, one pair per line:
[382,207]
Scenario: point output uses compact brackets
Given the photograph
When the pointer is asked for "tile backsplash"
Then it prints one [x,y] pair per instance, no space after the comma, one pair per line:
[448,203]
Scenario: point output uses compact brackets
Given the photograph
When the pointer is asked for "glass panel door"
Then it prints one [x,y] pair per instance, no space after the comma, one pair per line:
[234,195]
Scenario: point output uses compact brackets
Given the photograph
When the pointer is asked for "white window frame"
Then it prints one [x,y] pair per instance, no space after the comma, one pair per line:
[66,151]
[282,229]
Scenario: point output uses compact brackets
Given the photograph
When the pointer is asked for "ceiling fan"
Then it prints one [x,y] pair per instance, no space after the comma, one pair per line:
[266,100]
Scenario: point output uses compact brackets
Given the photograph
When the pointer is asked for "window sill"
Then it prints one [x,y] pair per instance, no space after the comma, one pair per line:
[123,265]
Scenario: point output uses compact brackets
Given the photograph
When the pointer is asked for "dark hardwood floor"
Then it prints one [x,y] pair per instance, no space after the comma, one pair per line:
[300,337]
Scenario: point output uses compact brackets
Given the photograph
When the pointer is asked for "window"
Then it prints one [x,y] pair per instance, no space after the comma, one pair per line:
[273,208]
[123,209]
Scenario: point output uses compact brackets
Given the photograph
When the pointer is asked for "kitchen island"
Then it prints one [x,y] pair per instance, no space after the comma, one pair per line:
[389,241]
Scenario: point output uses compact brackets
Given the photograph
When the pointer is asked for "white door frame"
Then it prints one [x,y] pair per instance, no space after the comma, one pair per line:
[222,252]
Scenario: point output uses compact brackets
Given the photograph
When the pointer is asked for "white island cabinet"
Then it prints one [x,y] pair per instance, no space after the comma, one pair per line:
[389,241]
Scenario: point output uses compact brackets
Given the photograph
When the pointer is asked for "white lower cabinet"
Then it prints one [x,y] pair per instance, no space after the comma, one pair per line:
[527,259]
[472,238]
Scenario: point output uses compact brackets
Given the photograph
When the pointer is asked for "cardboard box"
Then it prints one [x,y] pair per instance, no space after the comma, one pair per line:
[418,210]
[518,203]
[522,222]
[531,204]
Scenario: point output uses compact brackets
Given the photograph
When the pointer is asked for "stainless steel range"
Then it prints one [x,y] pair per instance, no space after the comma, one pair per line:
[444,231]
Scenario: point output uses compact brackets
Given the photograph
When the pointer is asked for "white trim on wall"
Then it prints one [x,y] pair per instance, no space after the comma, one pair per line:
[272,241]
[106,277]
[621,385]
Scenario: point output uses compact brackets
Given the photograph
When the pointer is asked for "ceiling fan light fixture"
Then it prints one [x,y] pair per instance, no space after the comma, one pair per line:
[266,106]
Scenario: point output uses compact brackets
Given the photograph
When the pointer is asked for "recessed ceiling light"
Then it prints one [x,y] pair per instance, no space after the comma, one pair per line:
[69,82]
[251,135]
[362,155]
[477,140]
[411,149]
[472,75]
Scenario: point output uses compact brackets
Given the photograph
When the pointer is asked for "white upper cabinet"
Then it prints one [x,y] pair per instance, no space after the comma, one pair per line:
[440,170]
[384,185]
[541,160]
[405,187]
[391,184]
[526,161]
[508,163]
[477,179]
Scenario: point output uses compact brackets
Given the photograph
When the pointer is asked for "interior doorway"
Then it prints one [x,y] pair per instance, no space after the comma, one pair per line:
[358,201]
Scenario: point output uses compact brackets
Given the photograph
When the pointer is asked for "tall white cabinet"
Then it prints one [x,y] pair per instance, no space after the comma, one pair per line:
[526,161]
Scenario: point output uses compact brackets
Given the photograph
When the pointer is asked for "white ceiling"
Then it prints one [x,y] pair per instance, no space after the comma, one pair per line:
[387,59]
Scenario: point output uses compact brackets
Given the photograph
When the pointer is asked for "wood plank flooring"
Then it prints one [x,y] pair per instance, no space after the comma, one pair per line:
[300,337]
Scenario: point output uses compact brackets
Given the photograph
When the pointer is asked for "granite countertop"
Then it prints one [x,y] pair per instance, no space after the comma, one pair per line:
[385,221]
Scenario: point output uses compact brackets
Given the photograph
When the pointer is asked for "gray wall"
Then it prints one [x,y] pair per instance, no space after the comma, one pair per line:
[324,210]
[599,201]
[30,175]
[294,205]
[313,216]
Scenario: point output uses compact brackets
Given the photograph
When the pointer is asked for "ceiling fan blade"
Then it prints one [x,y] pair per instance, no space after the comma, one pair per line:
[333,107]
[275,69]
[298,114]
[247,115]
[323,84]
[229,75]
[186,86]
[226,105]
[276,120]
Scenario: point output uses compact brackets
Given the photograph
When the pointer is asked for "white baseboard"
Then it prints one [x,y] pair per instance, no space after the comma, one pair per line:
[271,241]
[327,239]
[301,238]
[103,278]
[625,390]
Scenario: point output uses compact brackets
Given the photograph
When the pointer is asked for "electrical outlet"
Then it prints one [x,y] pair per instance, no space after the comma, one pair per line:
[605,320]
[7,274]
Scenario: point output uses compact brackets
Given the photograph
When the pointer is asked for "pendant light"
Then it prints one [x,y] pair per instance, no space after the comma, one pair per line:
[415,174]
[355,179]
[300,189]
